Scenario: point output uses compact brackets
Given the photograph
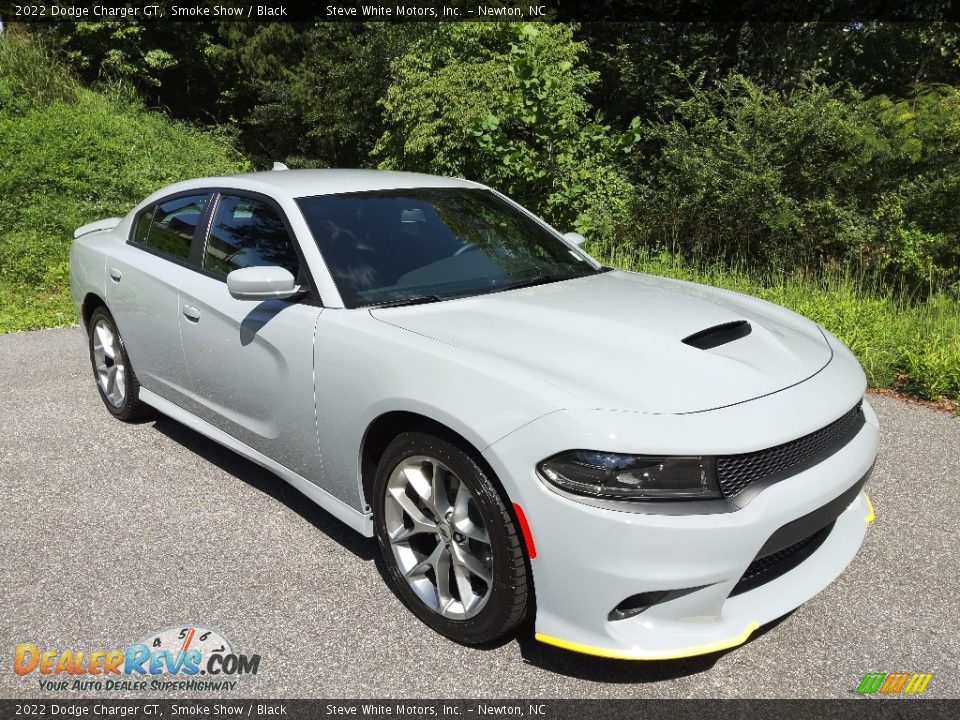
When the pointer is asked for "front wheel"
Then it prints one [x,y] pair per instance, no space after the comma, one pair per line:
[450,545]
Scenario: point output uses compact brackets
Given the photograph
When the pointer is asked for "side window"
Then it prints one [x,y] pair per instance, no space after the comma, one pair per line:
[174,223]
[143,225]
[246,233]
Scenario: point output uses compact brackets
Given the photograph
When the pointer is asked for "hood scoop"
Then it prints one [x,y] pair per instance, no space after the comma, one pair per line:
[718,335]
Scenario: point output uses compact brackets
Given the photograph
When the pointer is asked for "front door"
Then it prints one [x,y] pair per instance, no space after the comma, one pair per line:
[251,362]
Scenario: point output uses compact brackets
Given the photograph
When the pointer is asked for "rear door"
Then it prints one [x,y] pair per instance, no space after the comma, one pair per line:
[251,362]
[143,278]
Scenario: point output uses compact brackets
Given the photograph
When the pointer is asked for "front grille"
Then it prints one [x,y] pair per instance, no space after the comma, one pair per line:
[738,472]
[767,568]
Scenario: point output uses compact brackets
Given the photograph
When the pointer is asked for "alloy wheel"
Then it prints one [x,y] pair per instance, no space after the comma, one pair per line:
[108,360]
[438,537]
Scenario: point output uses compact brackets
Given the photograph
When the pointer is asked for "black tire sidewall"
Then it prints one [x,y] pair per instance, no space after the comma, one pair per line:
[498,615]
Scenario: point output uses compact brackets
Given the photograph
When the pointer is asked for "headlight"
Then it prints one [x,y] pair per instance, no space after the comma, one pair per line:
[631,477]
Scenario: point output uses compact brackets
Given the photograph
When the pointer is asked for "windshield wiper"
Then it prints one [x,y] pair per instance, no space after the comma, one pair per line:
[530,282]
[422,299]
[415,300]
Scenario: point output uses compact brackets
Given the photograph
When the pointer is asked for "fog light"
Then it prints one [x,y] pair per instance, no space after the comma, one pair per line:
[636,604]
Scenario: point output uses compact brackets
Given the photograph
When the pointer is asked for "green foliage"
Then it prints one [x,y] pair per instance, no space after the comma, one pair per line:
[70,156]
[503,103]
[814,175]
[165,62]
[120,50]
[304,93]
[932,370]
[916,229]
[28,75]
[307,95]
[875,57]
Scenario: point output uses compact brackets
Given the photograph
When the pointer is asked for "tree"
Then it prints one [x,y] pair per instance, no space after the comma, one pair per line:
[505,104]
[875,57]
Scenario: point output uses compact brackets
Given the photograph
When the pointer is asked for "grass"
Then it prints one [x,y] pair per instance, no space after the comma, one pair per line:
[70,155]
[910,346]
[34,308]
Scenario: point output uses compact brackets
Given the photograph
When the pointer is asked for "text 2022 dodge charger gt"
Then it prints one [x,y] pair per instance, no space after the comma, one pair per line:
[667,465]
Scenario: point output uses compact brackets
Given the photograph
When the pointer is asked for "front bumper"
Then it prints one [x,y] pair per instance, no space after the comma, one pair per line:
[590,558]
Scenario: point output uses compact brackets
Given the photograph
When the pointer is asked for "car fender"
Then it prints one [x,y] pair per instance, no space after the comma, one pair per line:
[364,368]
[88,266]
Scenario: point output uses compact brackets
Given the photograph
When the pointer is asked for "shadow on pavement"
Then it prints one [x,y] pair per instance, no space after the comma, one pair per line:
[269,484]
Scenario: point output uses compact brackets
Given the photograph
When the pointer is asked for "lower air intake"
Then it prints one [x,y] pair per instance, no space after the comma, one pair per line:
[770,567]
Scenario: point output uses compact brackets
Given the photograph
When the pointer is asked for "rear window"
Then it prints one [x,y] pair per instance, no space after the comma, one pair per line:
[169,227]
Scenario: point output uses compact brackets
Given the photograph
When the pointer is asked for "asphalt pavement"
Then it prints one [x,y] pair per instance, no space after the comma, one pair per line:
[109,531]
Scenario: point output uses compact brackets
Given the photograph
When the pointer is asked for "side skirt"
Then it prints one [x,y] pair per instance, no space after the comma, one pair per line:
[362,523]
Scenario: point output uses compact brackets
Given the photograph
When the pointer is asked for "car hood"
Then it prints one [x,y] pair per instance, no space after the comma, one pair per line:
[615,340]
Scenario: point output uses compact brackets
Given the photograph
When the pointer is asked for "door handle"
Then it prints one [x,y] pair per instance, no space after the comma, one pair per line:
[115,275]
[191,313]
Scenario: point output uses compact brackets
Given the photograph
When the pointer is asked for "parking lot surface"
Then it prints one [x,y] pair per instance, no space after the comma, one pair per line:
[110,531]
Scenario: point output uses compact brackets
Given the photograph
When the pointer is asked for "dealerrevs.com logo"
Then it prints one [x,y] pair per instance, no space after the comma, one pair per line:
[180,657]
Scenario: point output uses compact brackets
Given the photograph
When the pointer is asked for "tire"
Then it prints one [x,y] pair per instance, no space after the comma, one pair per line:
[112,372]
[484,597]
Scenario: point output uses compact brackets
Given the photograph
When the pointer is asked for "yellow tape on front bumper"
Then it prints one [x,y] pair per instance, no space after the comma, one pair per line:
[673,654]
[641,655]
[871,515]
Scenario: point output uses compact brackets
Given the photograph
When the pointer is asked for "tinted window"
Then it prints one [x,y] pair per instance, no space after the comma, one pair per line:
[143,225]
[246,233]
[174,223]
[441,242]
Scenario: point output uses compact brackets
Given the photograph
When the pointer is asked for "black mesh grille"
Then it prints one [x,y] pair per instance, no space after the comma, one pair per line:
[737,472]
[763,570]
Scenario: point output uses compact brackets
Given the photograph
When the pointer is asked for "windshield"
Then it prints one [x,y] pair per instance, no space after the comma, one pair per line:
[428,244]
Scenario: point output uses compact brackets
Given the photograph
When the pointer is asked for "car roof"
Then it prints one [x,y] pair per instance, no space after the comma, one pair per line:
[305,183]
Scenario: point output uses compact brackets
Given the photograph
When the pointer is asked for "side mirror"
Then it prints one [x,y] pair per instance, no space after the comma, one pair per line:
[575,238]
[265,282]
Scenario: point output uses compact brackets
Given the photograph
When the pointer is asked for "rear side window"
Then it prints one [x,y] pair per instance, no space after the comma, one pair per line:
[170,226]
[143,226]
[247,233]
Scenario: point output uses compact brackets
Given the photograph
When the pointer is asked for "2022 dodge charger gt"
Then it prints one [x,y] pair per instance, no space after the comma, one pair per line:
[668,465]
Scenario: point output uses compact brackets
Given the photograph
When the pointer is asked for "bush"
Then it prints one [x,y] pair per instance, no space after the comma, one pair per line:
[70,156]
[805,177]
[503,103]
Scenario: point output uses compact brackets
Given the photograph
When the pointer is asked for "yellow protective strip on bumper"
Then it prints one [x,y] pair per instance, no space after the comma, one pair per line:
[641,655]
[871,515]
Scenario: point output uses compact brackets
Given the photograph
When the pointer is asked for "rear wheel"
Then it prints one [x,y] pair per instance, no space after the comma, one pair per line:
[449,543]
[116,381]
